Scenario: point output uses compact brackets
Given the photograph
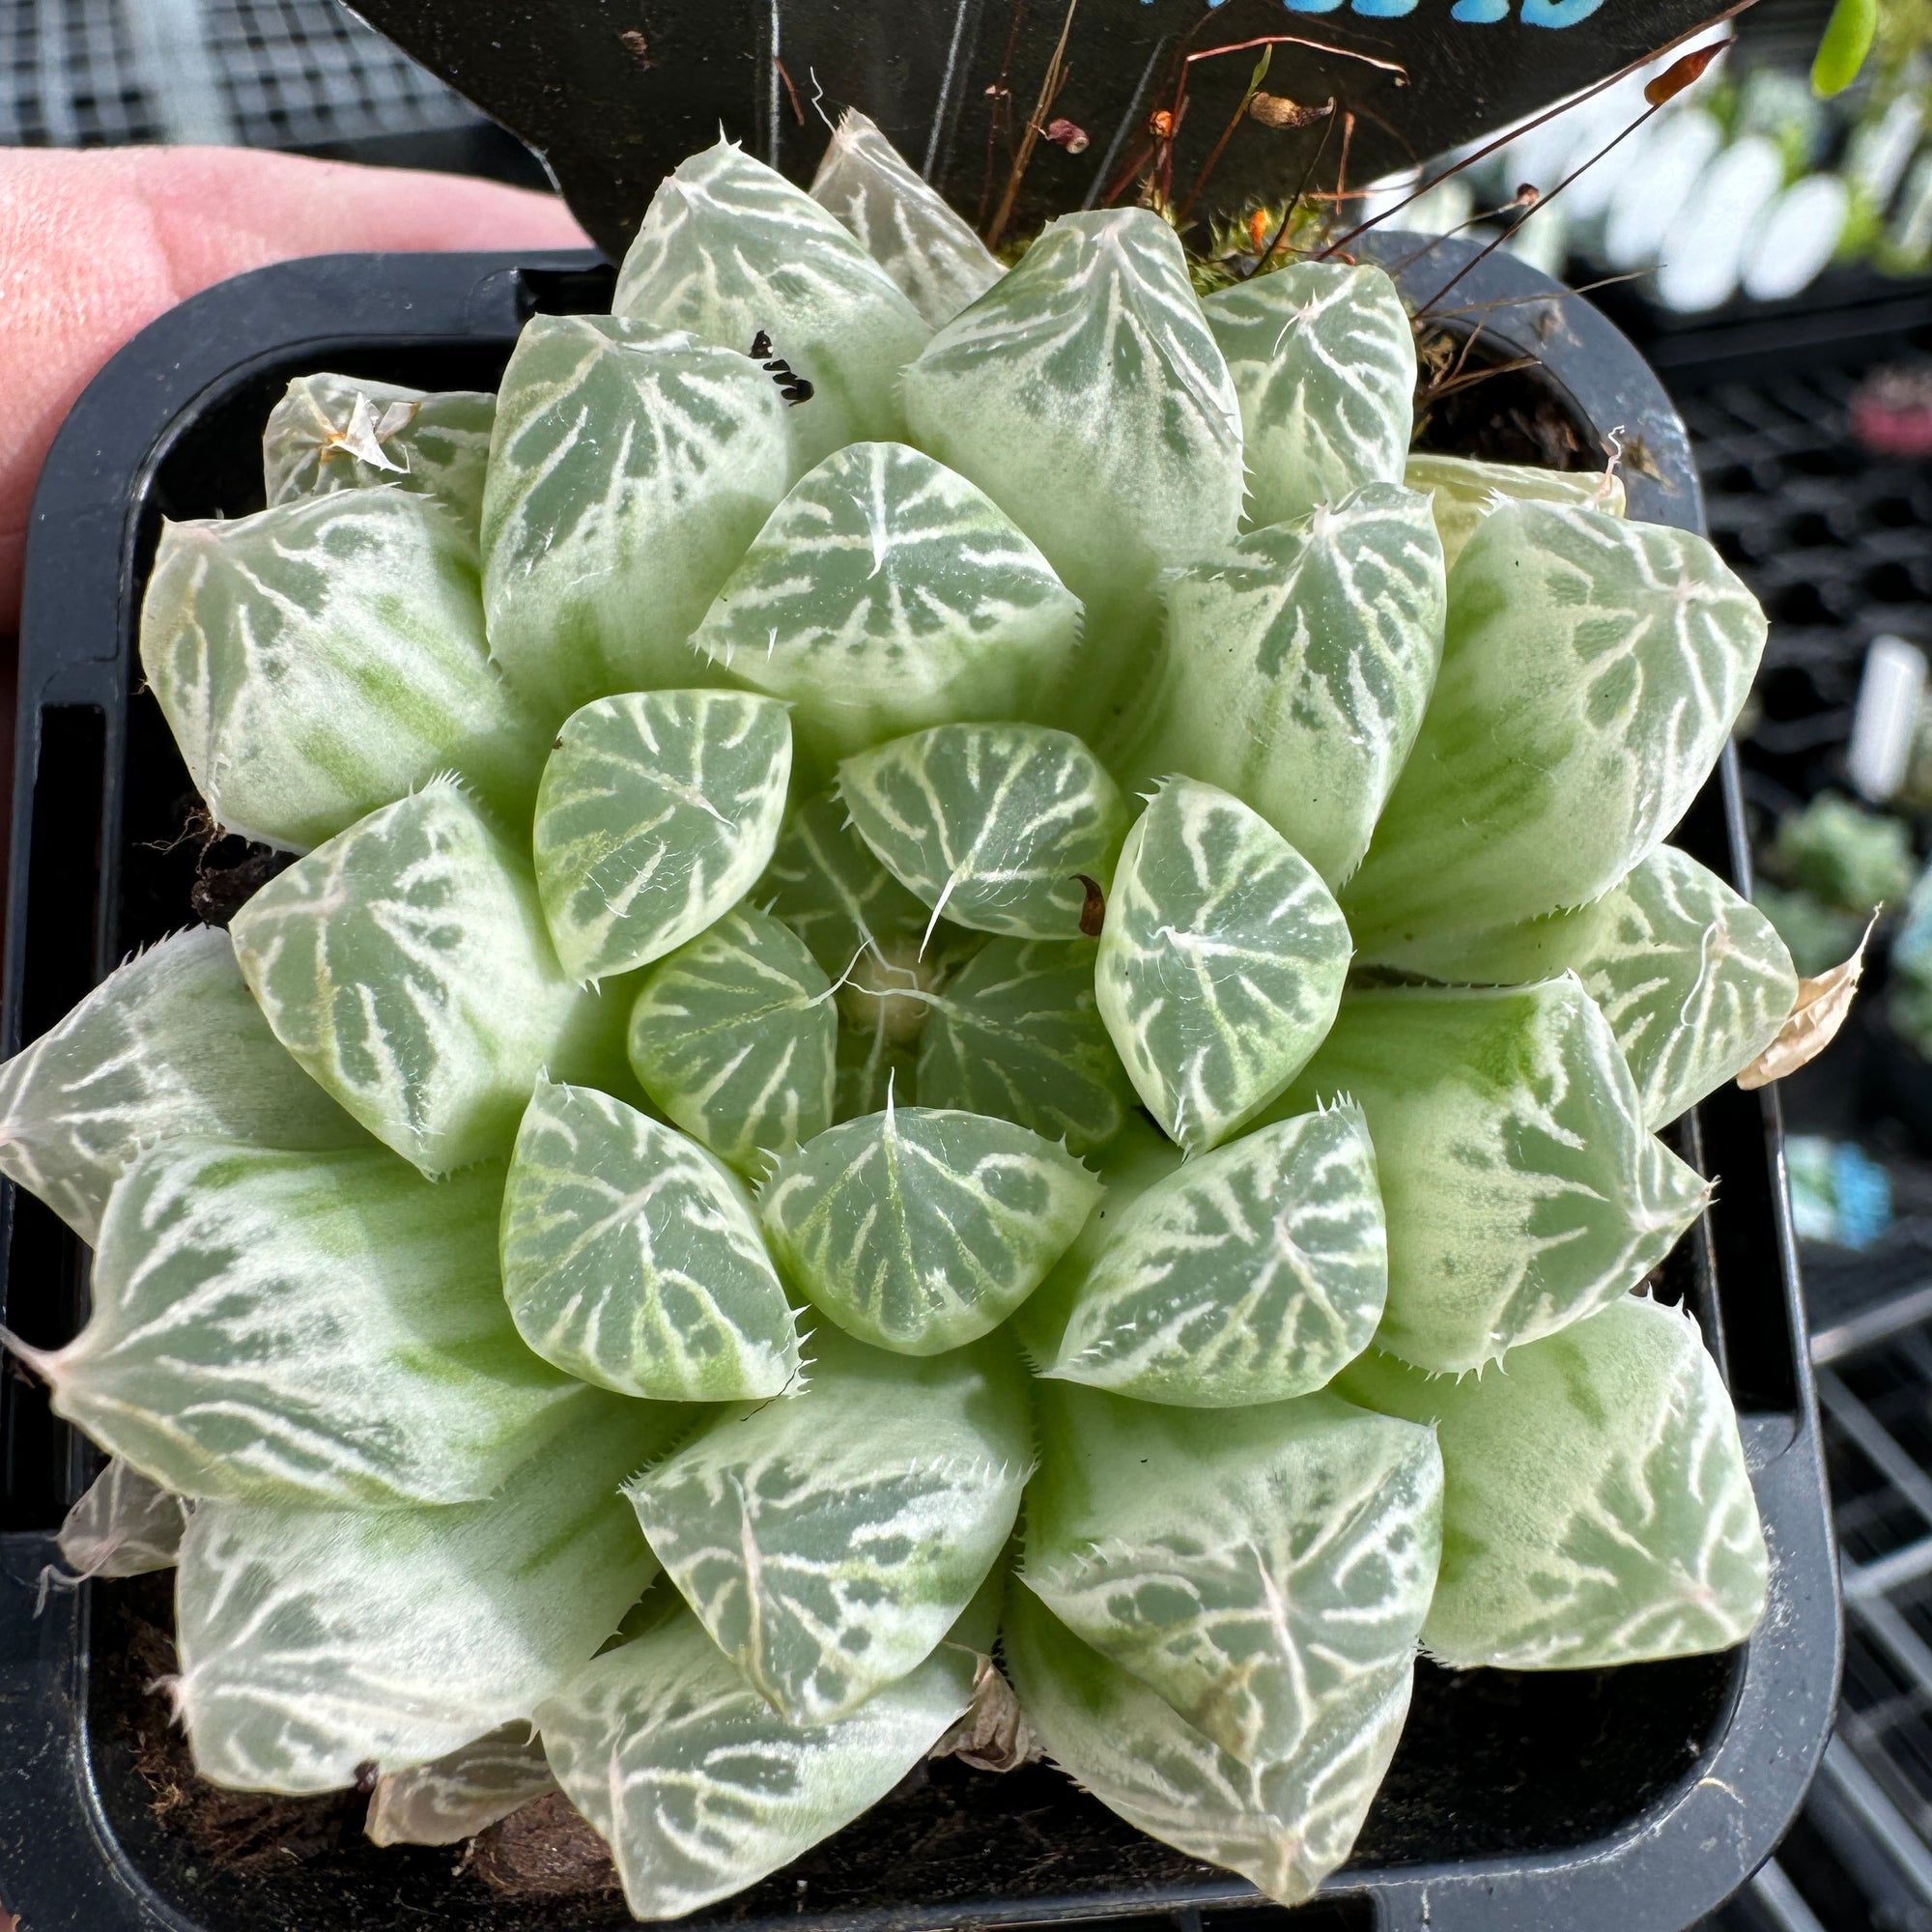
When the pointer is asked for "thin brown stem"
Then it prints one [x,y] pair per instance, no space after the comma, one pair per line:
[1220,147]
[1049,91]
[1267,254]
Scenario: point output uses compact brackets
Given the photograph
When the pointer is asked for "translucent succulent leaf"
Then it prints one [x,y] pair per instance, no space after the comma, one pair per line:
[994,825]
[871,1069]
[1283,1825]
[731,249]
[632,1259]
[170,1043]
[1522,1189]
[733,1038]
[1462,490]
[1596,1509]
[905,225]
[1091,362]
[1016,1033]
[1221,962]
[320,658]
[1323,357]
[124,1525]
[464,1792]
[829,1539]
[700,1788]
[657,813]
[1591,670]
[1503,955]
[825,883]
[886,593]
[332,433]
[632,465]
[315,1642]
[317,1326]
[1265,1570]
[918,1228]
[405,966]
[1297,665]
[1250,1275]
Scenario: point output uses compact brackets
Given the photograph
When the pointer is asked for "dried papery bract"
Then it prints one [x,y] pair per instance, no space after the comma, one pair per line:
[1462,490]
[905,225]
[169,1044]
[602,548]
[323,657]
[730,249]
[1597,1508]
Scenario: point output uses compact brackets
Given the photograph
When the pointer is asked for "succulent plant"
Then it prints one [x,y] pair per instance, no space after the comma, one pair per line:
[939,977]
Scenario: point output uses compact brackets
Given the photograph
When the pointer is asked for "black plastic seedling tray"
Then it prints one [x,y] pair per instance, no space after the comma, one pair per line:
[1632,1801]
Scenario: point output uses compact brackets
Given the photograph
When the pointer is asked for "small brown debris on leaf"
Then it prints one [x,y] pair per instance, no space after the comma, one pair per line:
[994,1734]
[362,437]
[1814,1022]
[1277,110]
[1094,908]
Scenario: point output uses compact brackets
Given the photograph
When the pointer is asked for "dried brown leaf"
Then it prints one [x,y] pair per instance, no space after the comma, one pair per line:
[1813,1023]
[994,1734]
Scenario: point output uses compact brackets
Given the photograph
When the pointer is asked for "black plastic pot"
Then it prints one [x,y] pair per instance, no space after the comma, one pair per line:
[1632,1800]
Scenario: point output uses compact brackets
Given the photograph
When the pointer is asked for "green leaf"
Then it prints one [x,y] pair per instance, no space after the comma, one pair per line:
[906,226]
[886,593]
[1521,1187]
[632,465]
[1283,1825]
[1221,962]
[1297,665]
[1841,53]
[919,1229]
[1265,1570]
[699,1789]
[332,433]
[1250,1275]
[1323,357]
[124,1525]
[315,1642]
[657,814]
[405,966]
[632,1259]
[317,1328]
[1591,673]
[1016,1033]
[994,825]
[170,1043]
[873,1066]
[464,1792]
[825,884]
[729,248]
[1462,490]
[1596,1508]
[829,1539]
[733,1038]
[1091,365]
[323,657]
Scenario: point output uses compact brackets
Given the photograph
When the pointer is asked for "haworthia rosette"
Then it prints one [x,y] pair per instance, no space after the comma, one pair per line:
[829,1539]
[325,657]
[700,1788]
[886,593]
[1323,357]
[919,1229]
[657,813]
[905,224]
[731,249]
[733,1036]
[1295,666]
[406,967]
[825,883]
[632,1257]
[1221,962]
[309,1327]
[1283,1825]
[996,826]
[170,1043]
[1522,1189]
[1092,359]
[1462,490]
[1251,1274]
[317,1642]
[1268,1582]
[1017,1032]
[631,466]
[1596,1508]
[124,1525]
[332,433]
[464,1791]
[1591,671]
